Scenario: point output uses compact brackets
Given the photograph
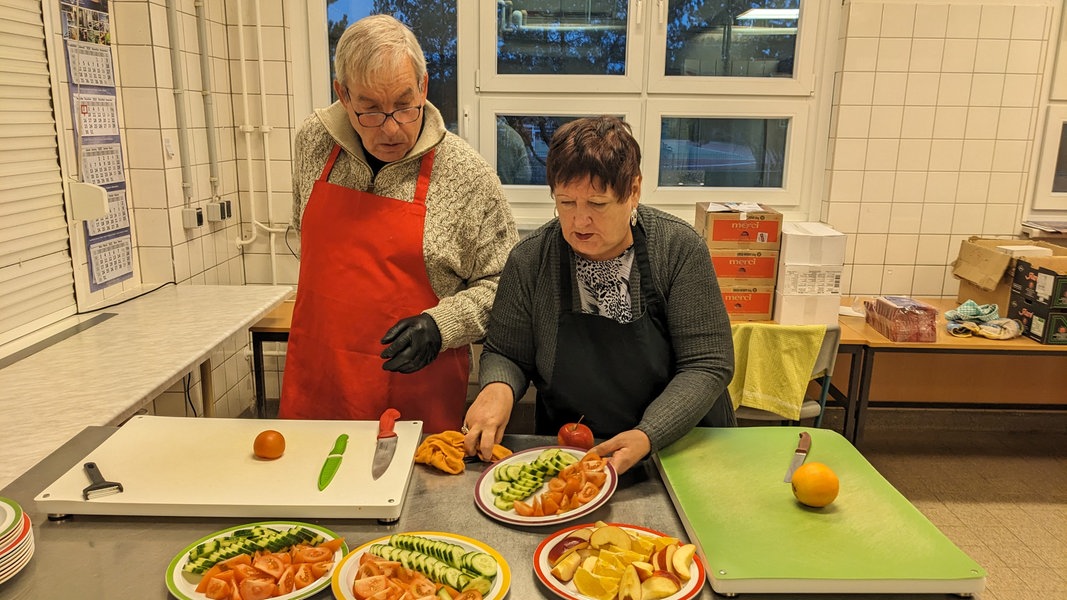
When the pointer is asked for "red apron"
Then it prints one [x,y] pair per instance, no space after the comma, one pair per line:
[362,270]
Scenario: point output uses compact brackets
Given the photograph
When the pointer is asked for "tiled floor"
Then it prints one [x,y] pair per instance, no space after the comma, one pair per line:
[1000,495]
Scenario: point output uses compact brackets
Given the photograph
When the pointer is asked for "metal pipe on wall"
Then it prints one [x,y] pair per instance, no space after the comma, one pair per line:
[179,99]
[206,91]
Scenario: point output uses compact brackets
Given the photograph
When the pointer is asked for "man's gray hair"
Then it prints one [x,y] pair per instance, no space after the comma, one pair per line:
[373,45]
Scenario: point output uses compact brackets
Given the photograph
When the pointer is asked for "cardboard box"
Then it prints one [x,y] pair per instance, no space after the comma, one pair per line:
[812,244]
[1025,250]
[1039,298]
[985,273]
[748,303]
[745,264]
[739,230]
[809,279]
[806,309]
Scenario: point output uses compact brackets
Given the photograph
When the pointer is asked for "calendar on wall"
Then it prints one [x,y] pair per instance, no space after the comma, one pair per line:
[87,35]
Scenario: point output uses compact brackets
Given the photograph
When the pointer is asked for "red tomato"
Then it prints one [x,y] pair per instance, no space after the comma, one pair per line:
[242,572]
[524,509]
[269,564]
[240,559]
[369,586]
[333,545]
[256,589]
[557,484]
[368,569]
[538,508]
[312,554]
[469,595]
[206,577]
[574,483]
[303,576]
[321,568]
[286,583]
[597,478]
[269,445]
[549,504]
[422,587]
[217,589]
[588,492]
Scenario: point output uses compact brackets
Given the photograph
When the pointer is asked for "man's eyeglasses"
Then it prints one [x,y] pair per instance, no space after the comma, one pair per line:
[402,116]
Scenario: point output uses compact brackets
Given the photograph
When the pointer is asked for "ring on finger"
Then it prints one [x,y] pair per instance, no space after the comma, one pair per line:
[464,430]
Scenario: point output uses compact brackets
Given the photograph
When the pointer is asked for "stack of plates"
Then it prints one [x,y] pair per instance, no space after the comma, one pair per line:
[16,539]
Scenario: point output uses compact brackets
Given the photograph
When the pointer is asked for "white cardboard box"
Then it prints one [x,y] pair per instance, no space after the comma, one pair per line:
[809,279]
[809,243]
[806,309]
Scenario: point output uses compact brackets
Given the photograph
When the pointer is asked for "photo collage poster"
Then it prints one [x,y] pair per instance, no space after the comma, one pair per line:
[94,106]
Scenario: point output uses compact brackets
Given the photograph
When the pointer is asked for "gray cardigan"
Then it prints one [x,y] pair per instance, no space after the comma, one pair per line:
[521,345]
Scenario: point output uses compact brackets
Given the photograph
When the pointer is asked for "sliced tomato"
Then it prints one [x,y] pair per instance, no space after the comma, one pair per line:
[524,509]
[597,478]
[269,564]
[218,589]
[321,568]
[422,587]
[469,595]
[575,481]
[303,576]
[367,569]
[242,572]
[549,505]
[567,471]
[369,586]
[333,545]
[539,509]
[286,583]
[285,557]
[556,484]
[587,493]
[256,589]
[312,554]
[206,577]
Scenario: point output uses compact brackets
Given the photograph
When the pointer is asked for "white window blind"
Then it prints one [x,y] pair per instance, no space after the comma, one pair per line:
[36,273]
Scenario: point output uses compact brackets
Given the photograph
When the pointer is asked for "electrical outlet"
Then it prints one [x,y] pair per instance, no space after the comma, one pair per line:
[216,211]
[192,218]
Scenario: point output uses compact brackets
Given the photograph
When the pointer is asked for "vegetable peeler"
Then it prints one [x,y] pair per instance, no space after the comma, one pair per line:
[99,486]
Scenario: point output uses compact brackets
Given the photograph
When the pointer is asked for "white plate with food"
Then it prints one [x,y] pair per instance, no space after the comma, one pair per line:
[231,550]
[441,558]
[590,562]
[514,489]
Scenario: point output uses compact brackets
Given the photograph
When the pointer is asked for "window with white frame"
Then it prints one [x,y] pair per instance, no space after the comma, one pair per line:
[721,94]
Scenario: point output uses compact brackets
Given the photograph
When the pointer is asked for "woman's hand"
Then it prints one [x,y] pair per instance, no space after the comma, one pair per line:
[483,427]
[624,450]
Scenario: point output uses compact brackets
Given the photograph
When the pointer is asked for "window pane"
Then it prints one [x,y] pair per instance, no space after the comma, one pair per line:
[731,38]
[570,37]
[722,152]
[522,146]
[434,24]
[1059,178]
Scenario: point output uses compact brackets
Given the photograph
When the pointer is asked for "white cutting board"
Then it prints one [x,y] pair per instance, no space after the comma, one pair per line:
[204,467]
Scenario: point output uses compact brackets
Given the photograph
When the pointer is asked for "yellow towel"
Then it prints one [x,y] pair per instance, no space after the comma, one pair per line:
[445,452]
[773,364]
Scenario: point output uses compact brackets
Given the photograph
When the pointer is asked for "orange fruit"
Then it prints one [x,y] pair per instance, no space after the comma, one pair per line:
[815,484]
[269,444]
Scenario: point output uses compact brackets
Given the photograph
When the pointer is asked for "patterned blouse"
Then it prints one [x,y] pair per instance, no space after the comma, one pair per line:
[604,286]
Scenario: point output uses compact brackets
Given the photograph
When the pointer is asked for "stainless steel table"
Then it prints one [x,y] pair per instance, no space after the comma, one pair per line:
[120,558]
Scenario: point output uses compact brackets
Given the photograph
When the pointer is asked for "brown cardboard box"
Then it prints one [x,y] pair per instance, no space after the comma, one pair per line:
[736,230]
[748,302]
[985,273]
[745,264]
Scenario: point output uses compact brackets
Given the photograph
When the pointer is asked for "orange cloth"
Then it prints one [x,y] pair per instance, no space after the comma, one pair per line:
[445,452]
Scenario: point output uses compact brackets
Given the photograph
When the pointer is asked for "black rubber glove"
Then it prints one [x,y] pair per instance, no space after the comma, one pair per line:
[413,343]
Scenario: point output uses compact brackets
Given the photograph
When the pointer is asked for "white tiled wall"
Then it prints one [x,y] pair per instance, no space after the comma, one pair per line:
[933,126]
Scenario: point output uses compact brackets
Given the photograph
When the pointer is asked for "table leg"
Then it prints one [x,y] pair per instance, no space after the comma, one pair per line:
[864,395]
[207,392]
[261,382]
[855,370]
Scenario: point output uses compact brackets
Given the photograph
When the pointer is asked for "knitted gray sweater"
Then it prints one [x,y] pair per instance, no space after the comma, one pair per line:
[469,227]
[521,346]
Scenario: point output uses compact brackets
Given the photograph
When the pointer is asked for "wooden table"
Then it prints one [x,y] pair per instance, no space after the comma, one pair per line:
[272,328]
[952,369]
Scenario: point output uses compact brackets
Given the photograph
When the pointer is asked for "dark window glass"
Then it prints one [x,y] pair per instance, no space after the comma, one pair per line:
[434,24]
[731,38]
[561,37]
[722,152]
[1059,178]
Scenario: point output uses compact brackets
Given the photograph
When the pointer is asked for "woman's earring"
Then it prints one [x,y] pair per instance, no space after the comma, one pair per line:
[633,218]
[555,213]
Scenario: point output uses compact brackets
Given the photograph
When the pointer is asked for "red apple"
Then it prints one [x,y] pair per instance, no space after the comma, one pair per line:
[577,435]
[561,547]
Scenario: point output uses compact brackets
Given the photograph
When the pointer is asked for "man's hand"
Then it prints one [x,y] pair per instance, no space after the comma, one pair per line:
[413,343]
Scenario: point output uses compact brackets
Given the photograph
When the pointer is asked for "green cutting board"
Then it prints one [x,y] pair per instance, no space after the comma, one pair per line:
[728,487]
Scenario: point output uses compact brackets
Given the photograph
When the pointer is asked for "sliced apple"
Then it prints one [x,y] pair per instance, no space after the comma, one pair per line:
[644,569]
[682,560]
[582,533]
[662,558]
[563,546]
[608,535]
[660,585]
[630,585]
[564,570]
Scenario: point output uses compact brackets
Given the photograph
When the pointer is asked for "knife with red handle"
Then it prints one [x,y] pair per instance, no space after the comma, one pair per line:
[386,446]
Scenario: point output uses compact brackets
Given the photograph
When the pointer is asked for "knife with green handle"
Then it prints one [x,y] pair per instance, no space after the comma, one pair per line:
[333,461]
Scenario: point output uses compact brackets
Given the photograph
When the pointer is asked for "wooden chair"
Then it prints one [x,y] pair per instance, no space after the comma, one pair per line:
[824,368]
